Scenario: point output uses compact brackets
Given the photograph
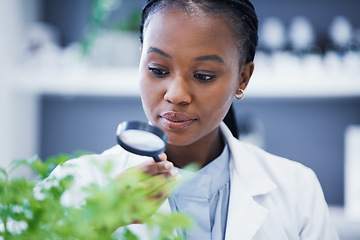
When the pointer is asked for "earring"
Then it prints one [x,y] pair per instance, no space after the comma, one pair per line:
[241,95]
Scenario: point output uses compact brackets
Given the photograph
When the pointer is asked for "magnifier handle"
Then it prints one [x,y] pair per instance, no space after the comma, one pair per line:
[157,159]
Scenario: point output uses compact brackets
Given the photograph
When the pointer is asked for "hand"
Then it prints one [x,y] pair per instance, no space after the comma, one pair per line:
[163,168]
[153,182]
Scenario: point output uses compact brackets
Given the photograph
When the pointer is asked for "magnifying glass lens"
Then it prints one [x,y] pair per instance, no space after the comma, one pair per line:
[142,140]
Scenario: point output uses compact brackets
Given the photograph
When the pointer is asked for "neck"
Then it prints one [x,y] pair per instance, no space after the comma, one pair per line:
[200,152]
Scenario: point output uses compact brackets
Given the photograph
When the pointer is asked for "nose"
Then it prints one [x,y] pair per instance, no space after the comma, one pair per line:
[178,92]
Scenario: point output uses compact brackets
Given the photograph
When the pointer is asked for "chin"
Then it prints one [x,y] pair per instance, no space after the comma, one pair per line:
[181,140]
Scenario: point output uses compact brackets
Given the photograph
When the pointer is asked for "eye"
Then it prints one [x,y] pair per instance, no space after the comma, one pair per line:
[158,72]
[204,77]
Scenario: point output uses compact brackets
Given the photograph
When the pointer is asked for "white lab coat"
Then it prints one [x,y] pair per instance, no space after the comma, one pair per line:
[270,197]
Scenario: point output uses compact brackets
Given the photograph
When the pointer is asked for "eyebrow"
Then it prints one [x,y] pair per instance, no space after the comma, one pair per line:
[210,58]
[158,51]
[198,59]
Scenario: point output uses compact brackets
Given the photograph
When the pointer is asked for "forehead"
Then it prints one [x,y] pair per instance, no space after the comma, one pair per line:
[188,28]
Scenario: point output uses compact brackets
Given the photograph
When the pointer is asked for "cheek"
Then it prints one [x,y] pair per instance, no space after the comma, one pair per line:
[145,95]
[217,103]
[150,94]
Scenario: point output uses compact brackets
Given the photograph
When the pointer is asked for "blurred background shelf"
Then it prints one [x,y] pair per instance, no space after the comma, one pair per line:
[104,81]
[123,81]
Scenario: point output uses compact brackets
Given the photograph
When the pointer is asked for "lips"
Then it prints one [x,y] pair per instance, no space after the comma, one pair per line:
[176,120]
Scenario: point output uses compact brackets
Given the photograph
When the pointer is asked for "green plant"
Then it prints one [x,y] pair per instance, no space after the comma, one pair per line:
[100,12]
[132,23]
[100,18]
[32,209]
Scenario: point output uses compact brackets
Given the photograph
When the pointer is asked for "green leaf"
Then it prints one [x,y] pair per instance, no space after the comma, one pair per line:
[38,206]
[3,171]
[128,235]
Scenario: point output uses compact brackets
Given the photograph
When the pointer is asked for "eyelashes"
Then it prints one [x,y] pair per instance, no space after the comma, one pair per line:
[198,76]
[204,77]
[158,72]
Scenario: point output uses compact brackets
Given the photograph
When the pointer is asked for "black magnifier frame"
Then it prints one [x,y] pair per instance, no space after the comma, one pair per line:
[141,126]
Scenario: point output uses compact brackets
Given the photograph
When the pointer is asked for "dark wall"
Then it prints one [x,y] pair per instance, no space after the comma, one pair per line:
[310,131]
[68,16]
[69,124]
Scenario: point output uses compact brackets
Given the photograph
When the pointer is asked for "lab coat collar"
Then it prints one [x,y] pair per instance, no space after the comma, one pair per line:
[248,180]
[246,166]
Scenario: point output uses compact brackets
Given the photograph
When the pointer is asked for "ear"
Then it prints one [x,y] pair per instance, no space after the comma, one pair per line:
[245,74]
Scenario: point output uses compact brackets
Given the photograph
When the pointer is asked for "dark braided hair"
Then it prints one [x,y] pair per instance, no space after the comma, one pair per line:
[239,14]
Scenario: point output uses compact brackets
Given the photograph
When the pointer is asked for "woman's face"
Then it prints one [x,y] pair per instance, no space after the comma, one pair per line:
[189,73]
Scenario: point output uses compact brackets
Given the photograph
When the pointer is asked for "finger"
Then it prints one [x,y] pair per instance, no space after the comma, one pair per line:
[151,168]
[155,168]
[165,166]
[171,173]
[163,156]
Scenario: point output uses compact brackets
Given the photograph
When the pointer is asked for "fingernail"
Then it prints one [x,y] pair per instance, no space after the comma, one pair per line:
[168,165]
[173,172]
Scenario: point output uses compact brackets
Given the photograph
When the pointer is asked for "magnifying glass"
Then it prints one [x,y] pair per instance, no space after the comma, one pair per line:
[141,138]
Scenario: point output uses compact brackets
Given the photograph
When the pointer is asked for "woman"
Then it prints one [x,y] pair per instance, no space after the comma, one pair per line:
[196,56]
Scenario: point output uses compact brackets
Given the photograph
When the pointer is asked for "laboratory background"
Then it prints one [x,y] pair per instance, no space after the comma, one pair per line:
[68,77]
